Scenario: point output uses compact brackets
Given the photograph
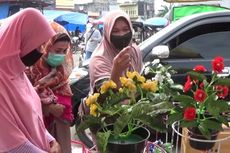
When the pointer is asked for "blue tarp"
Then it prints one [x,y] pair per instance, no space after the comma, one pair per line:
[52,14]
[4,10]
[72,20]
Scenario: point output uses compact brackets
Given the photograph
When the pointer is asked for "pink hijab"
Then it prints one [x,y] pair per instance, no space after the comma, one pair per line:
[20,106]
[102,59]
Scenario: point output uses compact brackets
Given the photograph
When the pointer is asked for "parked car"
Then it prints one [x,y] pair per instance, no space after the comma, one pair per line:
[190,41]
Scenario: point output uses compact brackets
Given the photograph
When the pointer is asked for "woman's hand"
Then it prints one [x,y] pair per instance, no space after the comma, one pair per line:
[56,109]
[55,147]
[121,63]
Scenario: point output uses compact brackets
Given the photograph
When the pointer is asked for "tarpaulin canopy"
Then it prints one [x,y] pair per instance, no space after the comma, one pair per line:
[52,14]
[182,11]
[73,20]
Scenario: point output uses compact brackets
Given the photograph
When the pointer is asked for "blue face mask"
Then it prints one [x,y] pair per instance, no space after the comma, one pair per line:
[55,60]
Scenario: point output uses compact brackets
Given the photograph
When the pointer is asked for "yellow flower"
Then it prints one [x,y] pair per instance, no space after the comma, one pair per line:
[92,99]
[127,82]
[150,86]
[93,110]
[133,74]
[121,90]
[107,85]
[131,86]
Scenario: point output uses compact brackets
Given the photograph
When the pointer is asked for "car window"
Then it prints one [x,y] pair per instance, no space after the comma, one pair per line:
[204,46]
[198,46]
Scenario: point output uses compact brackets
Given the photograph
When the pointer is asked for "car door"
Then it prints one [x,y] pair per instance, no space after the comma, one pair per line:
[198,46]
[193,41]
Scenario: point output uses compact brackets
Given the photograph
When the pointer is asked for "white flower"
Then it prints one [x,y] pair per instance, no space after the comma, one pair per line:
[158,77]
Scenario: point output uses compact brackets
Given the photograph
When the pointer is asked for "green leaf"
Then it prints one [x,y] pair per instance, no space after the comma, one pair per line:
[89,121]
[176,116]
[120,123]
[188,124]
[197,76]
[215,107]
[102,140]
[185,100]
[204,130]
[155,123]
[223,81]
[211,124]
[223,119]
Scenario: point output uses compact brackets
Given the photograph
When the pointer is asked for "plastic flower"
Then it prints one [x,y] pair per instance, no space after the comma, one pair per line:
[222,91]
[190,113]
[92,99]
[107,85]
[200,68]
[218,64]
[150,86]
[136,103]
[204,106]
[93,110]
[128,83]
[132,75]
[188,84]
[200,95]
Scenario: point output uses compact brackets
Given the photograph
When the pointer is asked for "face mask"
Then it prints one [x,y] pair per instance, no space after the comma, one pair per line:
[31,58]
[121,42]
[55,60]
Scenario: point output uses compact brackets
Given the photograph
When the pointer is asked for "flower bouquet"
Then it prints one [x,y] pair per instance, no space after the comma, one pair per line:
[136,104]
[202,107]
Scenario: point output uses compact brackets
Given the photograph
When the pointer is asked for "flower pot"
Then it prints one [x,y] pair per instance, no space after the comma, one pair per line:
[135,143]
[199,145]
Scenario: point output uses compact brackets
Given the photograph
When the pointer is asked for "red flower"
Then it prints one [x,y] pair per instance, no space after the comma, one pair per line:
[222,91]
[200,95]
[219,58]
[218,64]
[201,85]
[190,113]
[200,68]
[188,84]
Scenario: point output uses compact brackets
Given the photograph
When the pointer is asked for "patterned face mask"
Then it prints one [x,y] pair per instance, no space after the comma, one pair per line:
[55,60]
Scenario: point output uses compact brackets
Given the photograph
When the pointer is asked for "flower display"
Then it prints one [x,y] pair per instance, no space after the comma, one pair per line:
[204,100]
[138,102]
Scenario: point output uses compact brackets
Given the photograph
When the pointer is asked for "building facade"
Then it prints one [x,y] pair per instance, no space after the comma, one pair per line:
[94,8]
[138,9]
[65,4]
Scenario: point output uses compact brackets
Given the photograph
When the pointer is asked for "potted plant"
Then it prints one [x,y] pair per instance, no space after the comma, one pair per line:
[202,107]
[122,115]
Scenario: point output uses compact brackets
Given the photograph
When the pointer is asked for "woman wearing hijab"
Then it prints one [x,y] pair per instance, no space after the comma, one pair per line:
[22,126]
[116,53]
[50,77]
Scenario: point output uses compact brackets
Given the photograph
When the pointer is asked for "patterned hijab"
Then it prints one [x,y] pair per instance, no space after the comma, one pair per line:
[58,82]
[21,113]
[102,59]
